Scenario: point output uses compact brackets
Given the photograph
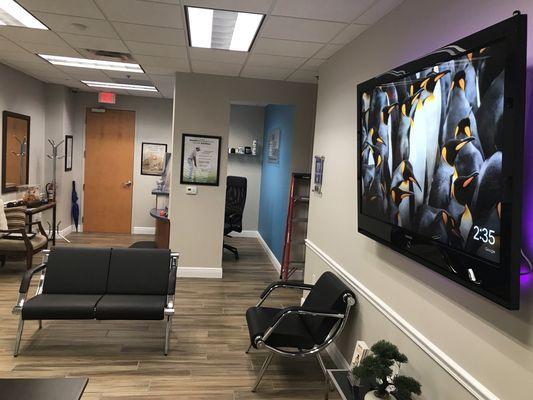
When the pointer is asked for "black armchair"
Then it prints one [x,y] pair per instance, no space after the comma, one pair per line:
[300,331]
[235,200]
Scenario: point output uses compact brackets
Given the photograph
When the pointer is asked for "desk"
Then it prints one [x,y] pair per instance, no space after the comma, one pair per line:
[162,229]
[43,389]
[30,212]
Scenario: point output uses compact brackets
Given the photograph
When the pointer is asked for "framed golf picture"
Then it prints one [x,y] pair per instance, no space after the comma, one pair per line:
[200,159]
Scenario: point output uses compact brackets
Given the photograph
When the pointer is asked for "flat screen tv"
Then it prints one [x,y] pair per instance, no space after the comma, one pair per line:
[440,159]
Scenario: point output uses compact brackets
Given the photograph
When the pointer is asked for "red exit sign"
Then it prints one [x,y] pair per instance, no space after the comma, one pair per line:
[107,97]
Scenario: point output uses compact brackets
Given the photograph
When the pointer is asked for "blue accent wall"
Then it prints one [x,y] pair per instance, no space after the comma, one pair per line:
[275,179]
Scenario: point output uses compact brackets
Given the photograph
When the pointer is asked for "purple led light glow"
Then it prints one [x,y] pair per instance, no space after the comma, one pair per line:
[527,206]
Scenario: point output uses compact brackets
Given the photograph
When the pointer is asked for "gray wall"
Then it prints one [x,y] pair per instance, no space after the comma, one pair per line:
[202,106]
[246,123]
[23,94]
[493,345]
[153,123]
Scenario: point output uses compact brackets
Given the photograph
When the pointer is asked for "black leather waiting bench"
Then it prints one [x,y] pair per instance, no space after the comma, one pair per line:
[102,284]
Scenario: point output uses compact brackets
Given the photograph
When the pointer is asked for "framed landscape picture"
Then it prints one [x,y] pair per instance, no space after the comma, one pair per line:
[200,159]
[153,158]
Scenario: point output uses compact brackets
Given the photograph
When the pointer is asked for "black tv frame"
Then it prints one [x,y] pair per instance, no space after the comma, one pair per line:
[497,282]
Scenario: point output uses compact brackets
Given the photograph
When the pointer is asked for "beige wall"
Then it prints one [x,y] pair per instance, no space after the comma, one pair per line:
[492,344]
[202,106]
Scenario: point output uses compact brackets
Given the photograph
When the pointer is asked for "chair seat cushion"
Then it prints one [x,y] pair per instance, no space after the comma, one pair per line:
[38,241]
[131,307]
[60,306]
[292,332]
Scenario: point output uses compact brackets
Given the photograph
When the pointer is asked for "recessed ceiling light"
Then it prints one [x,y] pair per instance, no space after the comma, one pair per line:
[11,13]
[94,64]
[123,86]
[221,29]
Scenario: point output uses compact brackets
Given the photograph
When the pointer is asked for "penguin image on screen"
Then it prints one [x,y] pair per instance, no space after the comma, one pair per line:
[431,144]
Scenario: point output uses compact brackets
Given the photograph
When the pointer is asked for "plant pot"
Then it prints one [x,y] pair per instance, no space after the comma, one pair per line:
[372,396]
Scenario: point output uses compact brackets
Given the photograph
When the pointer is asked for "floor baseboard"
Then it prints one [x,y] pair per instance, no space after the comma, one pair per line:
[269,252]
[143,230]
[199,272]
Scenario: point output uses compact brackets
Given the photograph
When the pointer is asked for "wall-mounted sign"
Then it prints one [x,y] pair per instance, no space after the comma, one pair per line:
[153,158]
[273,146]
[200,159]
[319,173]
[107,98]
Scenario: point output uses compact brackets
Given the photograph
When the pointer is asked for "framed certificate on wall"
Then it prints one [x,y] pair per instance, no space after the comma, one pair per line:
[200,159]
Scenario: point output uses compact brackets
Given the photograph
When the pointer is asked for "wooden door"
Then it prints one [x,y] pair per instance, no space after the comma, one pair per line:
[109,149]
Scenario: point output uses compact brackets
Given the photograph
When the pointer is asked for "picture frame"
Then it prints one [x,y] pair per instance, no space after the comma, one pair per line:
[273,146]
[15,142]
[200,159]
[319,174]
[153,158]
[69,143]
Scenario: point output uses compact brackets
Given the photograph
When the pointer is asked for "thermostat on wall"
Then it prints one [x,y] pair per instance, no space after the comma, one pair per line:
[191,190]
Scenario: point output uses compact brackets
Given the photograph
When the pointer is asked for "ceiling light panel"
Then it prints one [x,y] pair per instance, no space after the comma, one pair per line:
[93,64]
[221,29]
[13,14]
[123,86]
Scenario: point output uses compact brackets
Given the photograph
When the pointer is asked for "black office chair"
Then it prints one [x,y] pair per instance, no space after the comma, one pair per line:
[235,200]
[300,331]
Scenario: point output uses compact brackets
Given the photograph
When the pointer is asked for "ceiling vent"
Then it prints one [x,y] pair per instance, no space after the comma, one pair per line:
[105,55]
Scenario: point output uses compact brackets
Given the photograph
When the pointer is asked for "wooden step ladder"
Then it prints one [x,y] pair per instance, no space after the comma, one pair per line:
[296,227]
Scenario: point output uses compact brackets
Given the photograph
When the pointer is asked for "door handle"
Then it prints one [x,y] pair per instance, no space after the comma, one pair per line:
[127,183]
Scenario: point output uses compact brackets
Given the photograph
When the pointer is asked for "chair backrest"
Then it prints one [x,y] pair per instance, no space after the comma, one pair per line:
[236,187]
[139,271]
[15,217]
[329,293]
[77,270]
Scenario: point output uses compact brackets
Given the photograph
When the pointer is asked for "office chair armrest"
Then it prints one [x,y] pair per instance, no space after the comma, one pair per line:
[282,284]
[25,285]
[40,226]
[26,278]
[172,273]
[296,310]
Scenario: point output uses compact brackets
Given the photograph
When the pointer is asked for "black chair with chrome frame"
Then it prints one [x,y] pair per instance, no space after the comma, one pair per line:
[300,331]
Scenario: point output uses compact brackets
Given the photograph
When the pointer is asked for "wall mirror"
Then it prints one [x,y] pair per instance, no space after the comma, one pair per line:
[15,151]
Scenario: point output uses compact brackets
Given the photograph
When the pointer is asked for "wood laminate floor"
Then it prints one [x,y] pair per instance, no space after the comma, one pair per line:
[124,359]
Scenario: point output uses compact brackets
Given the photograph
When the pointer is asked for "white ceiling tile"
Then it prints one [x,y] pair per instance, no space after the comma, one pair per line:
[349,34]
[152,49]
[256,6]
[41,48]
[165,84]
[214,55]
[150,34]
[255,71]
[17,34]
[18,55]
[267,60]
[7,45]
[312,64]
[82,8]
[303,76]
[304,30]
[93,42]
[124,75]
[142,12]
[77,25]
[218,68]
[35,66]
[330,10]
[176,64]
[378,11]
[149,69]
[285,47]
[328,50]
[144,94]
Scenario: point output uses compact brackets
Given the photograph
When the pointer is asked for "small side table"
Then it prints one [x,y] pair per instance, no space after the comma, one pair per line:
[341,383]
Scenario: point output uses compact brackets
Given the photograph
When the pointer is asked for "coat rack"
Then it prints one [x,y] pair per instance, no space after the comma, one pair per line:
[54,157]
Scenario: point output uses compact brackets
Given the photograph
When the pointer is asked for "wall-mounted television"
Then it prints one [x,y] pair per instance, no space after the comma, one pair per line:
[439,149]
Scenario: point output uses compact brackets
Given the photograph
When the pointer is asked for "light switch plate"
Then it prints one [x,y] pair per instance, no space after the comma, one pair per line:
[191,190]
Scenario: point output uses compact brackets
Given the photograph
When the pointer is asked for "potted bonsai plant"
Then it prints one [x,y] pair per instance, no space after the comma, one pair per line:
[377,368]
